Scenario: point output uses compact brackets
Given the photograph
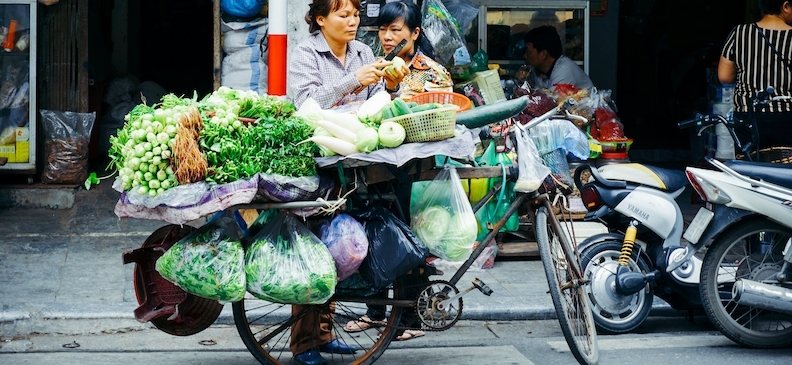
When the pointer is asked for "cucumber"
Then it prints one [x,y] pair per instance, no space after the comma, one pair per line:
[491,113]
[424,107]
[387,112]
[412,105]
[400,107]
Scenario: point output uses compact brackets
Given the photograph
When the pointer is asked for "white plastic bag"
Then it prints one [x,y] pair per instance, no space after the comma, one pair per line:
[532,169]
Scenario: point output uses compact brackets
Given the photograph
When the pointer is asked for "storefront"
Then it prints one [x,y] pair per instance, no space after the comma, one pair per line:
[649,53]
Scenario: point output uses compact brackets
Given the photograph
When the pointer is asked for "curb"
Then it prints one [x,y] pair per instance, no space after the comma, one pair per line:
[56,197]
[18,321]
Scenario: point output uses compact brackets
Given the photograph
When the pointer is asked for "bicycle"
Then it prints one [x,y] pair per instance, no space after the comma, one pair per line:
[266,328]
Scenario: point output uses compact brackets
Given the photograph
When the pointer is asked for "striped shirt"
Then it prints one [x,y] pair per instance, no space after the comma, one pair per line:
[758,66]
[314,72]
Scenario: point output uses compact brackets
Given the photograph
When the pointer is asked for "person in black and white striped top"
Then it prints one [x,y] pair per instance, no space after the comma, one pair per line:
[758,55]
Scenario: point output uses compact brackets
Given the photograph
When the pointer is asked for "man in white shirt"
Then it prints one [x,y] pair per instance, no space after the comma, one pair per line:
[544,53]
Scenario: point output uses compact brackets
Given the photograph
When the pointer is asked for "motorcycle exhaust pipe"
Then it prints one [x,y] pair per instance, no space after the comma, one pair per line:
[760,295]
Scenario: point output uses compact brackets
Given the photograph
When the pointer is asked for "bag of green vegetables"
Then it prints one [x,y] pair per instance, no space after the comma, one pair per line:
[209,262]
[443,218]
[287,263]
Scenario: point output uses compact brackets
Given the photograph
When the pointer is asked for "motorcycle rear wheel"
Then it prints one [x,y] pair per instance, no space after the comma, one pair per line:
[750,250]
[613,312]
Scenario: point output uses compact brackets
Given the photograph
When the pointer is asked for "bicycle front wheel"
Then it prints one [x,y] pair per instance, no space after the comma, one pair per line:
[565,278]
[268,329]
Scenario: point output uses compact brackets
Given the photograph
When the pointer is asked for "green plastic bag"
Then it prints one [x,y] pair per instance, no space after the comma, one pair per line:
[496,208]
[480,61]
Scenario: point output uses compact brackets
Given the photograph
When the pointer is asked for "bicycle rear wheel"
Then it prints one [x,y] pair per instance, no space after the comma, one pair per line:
[266,328]
[564,276]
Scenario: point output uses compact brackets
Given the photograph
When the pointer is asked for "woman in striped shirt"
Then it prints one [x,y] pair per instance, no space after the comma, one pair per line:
[756,56]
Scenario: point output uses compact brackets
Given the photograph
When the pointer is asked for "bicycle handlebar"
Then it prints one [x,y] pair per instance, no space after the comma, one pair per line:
[690,122]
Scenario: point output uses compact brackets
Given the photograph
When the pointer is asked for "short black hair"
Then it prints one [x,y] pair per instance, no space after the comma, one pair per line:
[411,14]
[771,6]
[545,38]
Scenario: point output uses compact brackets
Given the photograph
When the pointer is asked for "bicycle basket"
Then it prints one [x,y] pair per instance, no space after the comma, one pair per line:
[427,126]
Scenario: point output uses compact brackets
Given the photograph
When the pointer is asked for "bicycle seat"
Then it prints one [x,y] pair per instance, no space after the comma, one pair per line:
[656,177]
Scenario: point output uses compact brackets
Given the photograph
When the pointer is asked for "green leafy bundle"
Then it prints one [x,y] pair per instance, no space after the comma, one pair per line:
[208,264]
[293,270]
[269,145]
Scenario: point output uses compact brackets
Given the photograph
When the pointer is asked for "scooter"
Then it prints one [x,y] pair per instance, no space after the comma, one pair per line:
[746,224]
[642,254]
[746,278]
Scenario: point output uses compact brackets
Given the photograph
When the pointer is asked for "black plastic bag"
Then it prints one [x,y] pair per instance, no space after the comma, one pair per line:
[393,247]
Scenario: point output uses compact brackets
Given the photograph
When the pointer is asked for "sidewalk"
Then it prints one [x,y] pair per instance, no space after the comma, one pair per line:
[62,272]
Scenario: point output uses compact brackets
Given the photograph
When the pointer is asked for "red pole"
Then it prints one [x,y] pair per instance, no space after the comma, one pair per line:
[278,44]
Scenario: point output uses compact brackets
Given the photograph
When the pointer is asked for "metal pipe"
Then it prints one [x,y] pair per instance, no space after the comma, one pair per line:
[761,295]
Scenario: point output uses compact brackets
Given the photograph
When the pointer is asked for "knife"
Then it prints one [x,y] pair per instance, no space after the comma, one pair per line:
[396,50]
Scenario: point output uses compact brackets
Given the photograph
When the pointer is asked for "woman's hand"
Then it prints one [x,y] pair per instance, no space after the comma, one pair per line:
[370,74]
[394,78]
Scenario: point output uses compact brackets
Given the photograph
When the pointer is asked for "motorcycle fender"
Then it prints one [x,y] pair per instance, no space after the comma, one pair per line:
[723,218]
[600,237]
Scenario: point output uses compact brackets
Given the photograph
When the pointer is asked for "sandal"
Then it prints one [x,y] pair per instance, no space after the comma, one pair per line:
[362,324]
[410,334]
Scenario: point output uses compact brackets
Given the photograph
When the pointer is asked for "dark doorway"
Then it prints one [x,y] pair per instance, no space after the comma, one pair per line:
[668,53]
[176,46]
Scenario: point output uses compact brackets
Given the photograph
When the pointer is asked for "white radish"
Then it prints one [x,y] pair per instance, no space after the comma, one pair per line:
[337,131]
[336,145]
[346,120]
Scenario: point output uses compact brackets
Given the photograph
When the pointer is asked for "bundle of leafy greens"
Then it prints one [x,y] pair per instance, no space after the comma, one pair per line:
[269,144]
[288,264]
[208,264]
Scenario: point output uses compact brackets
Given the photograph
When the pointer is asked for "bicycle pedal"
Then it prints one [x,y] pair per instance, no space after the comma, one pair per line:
[482,287]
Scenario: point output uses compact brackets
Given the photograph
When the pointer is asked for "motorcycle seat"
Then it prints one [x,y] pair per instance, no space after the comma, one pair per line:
[656,177]
[776,173]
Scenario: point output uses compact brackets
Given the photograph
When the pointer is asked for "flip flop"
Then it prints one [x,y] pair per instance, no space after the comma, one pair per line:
[362,324]
[410,334]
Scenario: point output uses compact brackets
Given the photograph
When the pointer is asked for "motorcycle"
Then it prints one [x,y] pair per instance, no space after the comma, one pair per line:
[746,224]
[746,278]
[642,254]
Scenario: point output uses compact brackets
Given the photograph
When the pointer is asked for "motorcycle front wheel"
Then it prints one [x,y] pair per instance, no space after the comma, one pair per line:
[752,251]
[613,312]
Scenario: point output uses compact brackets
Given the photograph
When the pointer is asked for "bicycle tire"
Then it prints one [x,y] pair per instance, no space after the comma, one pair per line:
[564,277]
[735,255]
[265,327]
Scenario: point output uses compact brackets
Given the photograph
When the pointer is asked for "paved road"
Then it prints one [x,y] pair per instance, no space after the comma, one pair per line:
[659,341]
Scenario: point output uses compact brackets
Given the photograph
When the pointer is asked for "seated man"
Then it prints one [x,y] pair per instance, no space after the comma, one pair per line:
[544,53]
